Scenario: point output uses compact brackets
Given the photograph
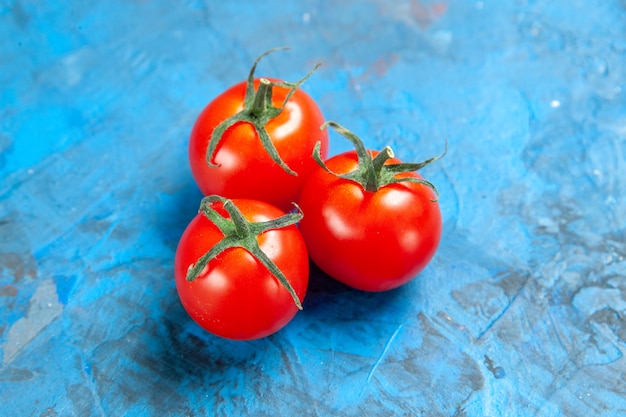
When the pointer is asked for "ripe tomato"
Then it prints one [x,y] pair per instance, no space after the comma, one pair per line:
[255,141]
[234,295]
[376,239]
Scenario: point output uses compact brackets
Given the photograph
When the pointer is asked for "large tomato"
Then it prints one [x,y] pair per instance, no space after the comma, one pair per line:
[255,141]
[375,236]
[222,274]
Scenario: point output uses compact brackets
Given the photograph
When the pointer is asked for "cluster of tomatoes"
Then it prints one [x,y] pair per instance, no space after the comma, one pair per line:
[259,152]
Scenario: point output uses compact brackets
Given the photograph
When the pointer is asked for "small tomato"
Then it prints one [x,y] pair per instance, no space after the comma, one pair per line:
[241,268]
[255,141]
[369,220]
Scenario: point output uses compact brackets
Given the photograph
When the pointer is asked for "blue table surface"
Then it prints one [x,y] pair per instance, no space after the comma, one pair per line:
[522,312]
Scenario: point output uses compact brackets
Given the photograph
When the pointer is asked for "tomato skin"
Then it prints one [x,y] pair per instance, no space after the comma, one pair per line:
[237,297]
[372,241]
[245,168]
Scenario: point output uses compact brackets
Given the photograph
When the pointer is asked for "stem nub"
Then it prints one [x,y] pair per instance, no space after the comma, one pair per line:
[241,233]
[262,98]
[373,172]
[258,111]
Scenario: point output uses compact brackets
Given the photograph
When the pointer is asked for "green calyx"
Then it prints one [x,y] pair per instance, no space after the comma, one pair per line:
[241,233]
[258,111]
[372,172]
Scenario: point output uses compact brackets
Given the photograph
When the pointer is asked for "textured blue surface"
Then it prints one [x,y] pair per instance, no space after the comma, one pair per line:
[522,311]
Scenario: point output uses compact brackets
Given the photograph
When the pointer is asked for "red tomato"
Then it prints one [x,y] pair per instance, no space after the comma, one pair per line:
[235,296]
[244,167]
[372,241]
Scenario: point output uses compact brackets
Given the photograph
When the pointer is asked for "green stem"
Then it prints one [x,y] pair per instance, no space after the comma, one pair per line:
[262,98]
[258,111]
[250,82]
[374,177]
[239,232]
[373,173]
[242,225]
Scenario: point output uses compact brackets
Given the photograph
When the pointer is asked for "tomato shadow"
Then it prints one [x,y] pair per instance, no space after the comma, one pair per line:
[196,357]
[330,299]
[322,283]
[184,355]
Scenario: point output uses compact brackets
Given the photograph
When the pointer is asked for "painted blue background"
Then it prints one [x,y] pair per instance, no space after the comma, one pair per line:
[522,311]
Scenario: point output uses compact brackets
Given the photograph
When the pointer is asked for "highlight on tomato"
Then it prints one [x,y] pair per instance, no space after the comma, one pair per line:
[242,268]
[255,140]
[370,221]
